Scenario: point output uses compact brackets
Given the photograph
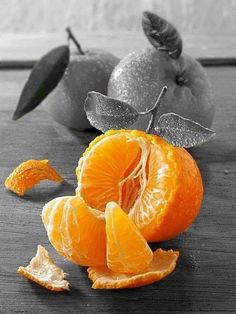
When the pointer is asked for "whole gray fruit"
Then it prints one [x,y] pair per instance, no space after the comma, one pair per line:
[140,76]
[88,72]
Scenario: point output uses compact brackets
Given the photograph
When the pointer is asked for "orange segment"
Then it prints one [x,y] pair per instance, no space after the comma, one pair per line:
[127,250]
[162,265]
[44,271]
[76,231]
[29,173]
[157,184]
[184,204]
[101,172]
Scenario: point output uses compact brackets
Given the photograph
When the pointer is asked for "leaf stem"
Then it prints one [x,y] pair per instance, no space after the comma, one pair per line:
[162,48]
[72,37]
[157,103]
[154,110]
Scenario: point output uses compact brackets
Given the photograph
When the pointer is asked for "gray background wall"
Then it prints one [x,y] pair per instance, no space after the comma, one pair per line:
[48,16]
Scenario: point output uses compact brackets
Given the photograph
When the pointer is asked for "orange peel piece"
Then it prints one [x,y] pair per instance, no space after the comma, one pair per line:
[45,272]
[163,263]
[29,173]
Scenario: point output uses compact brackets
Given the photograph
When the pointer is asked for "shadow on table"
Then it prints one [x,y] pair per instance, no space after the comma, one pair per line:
[174,293]
[46,193]
[71,135]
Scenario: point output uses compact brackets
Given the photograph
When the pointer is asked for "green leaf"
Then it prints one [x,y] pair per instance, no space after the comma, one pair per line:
[162,35]
[105,113]
[44,77]
[182,132]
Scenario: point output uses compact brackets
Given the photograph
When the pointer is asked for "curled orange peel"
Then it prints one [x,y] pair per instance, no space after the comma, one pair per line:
[45,272]
[29,173]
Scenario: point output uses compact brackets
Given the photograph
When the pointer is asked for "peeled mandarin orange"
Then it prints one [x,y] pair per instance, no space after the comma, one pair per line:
[162,265]
[44,271]
[76,231]
[127,250]
[157,184]
[29,173]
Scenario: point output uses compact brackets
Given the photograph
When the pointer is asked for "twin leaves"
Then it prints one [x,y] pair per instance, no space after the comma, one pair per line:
[105,113]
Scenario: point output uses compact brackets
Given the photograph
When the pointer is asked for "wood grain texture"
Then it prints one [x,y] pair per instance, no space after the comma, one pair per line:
[205,278]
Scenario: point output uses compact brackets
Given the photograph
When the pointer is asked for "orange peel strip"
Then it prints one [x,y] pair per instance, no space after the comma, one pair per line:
[29,173]
[163,263]
[45,272]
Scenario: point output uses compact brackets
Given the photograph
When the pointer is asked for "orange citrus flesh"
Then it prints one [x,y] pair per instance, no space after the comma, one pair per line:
[157,184]
[44,271]
[163,263]
[76,231]
[104,170]
[29,173]
[127,250]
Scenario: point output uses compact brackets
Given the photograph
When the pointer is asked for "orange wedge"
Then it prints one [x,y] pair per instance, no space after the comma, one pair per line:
[76,231]
[44,271]
[29,173]
[127,250]
[163,263]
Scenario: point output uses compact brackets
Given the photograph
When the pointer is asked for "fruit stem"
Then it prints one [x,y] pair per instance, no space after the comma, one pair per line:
[72,37]
[154,110]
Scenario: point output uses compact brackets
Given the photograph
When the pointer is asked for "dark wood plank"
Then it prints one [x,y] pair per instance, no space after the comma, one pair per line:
[28,64]
[25,49]
[205,278]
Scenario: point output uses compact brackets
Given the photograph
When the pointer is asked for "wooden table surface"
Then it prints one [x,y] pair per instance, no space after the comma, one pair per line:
[205,277]
[21,51]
